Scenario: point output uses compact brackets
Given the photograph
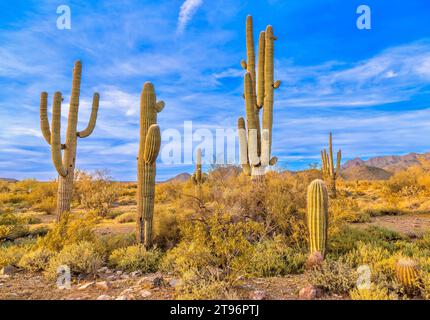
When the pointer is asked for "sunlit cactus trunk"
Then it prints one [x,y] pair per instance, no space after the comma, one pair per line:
[328,170]
[317,216]
[149,147]
[65,164]
[198,177]
[256,144]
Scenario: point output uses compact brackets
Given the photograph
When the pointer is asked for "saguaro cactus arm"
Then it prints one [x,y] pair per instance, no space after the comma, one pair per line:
[152,144]
[339,159]
[93,118]
[56,136]
[261,64]
[44,122]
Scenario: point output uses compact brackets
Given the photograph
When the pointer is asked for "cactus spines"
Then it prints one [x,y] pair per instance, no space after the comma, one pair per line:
[65,164]
[149,147]
[407,272]
[329,171]
[317,216]
[258,94]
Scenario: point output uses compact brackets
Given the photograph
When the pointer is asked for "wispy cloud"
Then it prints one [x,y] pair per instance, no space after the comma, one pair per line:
[188,9]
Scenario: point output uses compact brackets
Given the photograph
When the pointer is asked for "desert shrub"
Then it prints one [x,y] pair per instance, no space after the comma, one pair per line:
[334,276]
[166,226]
[135,258]
[348,238]
[425,285]
[47,205]
[36,260]
[108,243]
[126,217]
[11,254]
[375,292]
[275,258]
[95,191]
[4,186]
[69,230]
[12,226]
[80,257]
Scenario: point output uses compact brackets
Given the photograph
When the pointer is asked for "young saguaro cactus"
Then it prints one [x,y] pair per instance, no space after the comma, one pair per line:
[198,177]
[255,145]
[149,147]
[65,164]
[329,171]
[317,216]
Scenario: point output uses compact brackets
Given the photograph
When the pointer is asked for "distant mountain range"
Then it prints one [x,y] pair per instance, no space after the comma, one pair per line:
[8,180]
[382,167]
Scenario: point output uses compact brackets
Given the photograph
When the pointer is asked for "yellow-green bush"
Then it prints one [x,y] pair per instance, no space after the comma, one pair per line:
[275,258]
[375,292]
[135,258]
[69,230]
[126,217]
[36,260]
[81,257]
[11,254]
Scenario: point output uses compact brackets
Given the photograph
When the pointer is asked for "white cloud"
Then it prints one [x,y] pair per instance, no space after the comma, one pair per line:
[188,9]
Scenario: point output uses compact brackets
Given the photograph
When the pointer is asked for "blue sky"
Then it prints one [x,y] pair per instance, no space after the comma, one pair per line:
[370,87]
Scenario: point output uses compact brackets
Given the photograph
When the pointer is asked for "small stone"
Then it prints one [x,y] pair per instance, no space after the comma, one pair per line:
[174,282]
[125,297]
[126,292]
[104,297]
[8,270]
[119,272]
[158,282]
[102,270]
[258,295]
[145,293]
[86,286]
[112,277]
[103,285]
[135,273]
[310,293]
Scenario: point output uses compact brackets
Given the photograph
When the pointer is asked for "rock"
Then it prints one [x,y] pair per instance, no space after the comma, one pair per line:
[102,270]
[175,282]
[158,282]
[86,286]
[104,297]
[126,292]
[119,272]
[135,273]
[145,293]
[310,293]
[125,297]
[258,295]
[111,277]
[103,285]
[8,270]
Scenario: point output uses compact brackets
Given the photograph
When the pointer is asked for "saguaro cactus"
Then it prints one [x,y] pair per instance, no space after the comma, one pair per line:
[198,177]
[255,146]
[149,147]
[65,165]
[407,272]
[317,216]
[329,171]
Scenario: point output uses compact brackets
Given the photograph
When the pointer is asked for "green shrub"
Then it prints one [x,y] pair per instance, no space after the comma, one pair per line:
[126,217]
[135,258]
[36,260]
[69,230]
[375,292]
[11,254]
[81,257]
[334,276]
[108,243]
[274,258]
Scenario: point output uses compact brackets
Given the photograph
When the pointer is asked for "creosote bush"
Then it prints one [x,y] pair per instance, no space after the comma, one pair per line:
[135,258]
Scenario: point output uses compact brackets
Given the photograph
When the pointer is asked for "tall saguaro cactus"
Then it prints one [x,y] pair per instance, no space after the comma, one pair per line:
[149,147]
[255,145]
[329,171]
[65,164]
[317,216]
